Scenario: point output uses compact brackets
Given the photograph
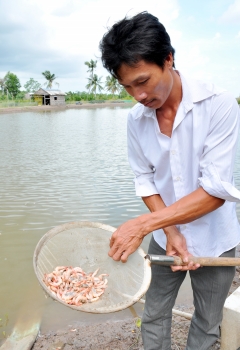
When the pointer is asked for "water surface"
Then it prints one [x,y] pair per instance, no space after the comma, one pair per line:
[57,167]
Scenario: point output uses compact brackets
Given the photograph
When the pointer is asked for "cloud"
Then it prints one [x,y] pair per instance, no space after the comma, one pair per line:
[191,19]
[232,15]
[217,35]
[196,58]
[61,35]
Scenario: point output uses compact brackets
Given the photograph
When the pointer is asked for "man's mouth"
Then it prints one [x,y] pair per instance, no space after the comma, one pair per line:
[146,104]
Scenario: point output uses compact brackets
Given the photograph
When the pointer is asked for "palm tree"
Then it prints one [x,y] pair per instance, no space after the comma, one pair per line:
[112,84]
[50,79]
[94,84]
[91,66]
[123,93]
[2,85]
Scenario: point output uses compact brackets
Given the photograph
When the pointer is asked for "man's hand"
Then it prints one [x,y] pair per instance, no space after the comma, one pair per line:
[126,239]
[176,246]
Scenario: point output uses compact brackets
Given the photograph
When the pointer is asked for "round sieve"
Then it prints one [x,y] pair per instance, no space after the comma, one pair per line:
[86,244]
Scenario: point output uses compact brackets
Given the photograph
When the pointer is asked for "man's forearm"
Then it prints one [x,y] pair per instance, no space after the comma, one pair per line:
[185,210]
[154,202]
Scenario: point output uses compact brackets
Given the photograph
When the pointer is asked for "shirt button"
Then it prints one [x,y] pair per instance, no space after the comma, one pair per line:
[178,178]
[173,152]
[184,227]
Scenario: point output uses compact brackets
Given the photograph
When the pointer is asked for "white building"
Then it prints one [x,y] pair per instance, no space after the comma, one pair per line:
[50,97]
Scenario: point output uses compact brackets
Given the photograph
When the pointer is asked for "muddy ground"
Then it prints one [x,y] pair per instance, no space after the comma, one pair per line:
[120,335]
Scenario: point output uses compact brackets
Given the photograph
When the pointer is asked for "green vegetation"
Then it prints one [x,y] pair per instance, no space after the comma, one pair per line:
[91,66]
[10,84]
[50,79]
[112,85]
[10,94]
[137,334]
[96,87]
[113,89]
[98,91]
[94,84]
[138,322]
[32,85]
[77,96]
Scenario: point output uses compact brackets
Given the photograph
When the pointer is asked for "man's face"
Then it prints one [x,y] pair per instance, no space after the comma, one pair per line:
[147,82]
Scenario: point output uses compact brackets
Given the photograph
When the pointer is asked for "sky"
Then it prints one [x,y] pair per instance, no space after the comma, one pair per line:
[60,35]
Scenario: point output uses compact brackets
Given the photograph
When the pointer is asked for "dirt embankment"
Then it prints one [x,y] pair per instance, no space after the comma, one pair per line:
[64,107]
[121,335]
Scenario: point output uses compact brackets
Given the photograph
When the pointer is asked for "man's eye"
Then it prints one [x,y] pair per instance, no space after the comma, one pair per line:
[143,82]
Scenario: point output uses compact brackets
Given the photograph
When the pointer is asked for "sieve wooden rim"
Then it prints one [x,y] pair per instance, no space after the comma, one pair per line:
[91,308]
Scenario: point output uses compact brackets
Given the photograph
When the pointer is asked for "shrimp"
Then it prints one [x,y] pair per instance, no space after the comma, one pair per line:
[95,272]
[74,286]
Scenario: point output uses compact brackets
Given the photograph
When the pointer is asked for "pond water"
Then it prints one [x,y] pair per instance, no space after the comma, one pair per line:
[57,167]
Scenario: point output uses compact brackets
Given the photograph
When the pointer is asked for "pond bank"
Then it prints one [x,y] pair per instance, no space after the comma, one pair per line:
[65,107]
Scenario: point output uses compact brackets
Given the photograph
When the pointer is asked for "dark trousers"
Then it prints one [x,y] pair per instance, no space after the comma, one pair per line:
[210,288]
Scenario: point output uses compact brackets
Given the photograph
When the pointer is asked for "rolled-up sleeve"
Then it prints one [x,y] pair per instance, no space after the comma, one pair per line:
[143,170]
[217,161]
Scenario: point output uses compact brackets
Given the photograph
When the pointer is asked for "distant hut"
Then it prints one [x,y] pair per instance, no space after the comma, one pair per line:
[49,97]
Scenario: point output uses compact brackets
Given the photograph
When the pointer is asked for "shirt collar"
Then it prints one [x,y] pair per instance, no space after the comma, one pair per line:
[197,90]
[193,91]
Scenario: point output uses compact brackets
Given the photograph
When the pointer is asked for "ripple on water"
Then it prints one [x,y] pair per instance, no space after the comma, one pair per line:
[61,167]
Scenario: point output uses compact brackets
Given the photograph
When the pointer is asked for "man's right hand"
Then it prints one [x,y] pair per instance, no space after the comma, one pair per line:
[176,246]
[176,243]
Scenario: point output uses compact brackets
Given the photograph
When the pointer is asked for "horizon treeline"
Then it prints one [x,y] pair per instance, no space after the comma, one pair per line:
[97,89]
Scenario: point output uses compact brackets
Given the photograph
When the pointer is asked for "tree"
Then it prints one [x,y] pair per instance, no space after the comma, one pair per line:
[2,85]
[112,85]
[124,94]
[94,84]
[12,84]
[32,85]
[91,66]
[50,78]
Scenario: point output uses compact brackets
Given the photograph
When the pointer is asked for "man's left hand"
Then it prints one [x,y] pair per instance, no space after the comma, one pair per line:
[126,239]
[177,246]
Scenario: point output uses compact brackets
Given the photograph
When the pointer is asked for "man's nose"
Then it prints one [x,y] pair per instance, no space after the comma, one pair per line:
[140,96]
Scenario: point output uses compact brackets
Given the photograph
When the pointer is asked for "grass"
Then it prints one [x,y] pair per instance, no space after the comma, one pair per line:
[4,104]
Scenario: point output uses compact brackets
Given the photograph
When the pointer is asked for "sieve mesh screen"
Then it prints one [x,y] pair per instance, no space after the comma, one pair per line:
[86,244]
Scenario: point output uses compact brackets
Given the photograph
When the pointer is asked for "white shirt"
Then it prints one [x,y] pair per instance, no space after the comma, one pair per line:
[200,152]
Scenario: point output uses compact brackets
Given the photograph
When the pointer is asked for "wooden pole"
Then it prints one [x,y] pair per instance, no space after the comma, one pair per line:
[208,261]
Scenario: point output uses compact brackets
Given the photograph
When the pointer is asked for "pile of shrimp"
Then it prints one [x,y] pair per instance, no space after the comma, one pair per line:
[74,286]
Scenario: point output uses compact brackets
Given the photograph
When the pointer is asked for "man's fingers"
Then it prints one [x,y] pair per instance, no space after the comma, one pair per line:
[125,240]
[195,266]
[191,266]
[114,251]
[184,255]
[112,240]
[176,268]
[117,253]
[126,254]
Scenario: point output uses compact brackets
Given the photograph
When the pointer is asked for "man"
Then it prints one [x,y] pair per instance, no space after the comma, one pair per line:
[182,138]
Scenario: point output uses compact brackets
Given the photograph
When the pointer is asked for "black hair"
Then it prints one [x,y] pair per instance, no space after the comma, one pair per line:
[130,40]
